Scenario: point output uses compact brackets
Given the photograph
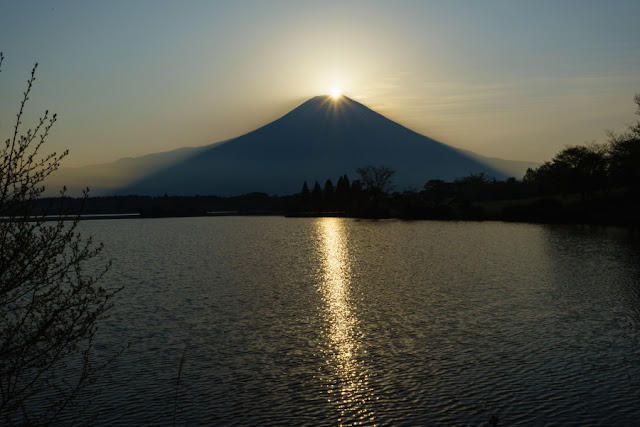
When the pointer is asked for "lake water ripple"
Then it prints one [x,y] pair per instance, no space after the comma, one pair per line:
[341,322]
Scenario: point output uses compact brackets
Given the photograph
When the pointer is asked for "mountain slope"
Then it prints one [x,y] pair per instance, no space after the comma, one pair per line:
[514,168]
[104,178]
[322,138]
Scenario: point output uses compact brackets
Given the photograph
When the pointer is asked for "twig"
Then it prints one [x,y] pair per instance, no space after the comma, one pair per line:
[175,402]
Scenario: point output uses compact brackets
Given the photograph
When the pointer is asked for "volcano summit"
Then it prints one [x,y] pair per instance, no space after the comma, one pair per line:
[323,138]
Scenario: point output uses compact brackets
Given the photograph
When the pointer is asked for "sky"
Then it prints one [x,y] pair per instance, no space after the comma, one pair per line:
[512,79]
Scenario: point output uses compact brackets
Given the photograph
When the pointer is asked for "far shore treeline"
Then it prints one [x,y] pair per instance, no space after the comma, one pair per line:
[590,184]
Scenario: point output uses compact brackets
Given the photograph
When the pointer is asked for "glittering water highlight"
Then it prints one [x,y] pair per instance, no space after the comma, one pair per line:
[341,322]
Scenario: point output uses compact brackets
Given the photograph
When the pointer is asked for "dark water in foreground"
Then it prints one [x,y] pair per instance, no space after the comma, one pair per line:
[337,321]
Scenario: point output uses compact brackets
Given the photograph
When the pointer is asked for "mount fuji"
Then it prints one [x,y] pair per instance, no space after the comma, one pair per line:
[323,138]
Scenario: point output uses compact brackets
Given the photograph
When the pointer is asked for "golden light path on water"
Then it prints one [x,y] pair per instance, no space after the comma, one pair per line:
[348,386]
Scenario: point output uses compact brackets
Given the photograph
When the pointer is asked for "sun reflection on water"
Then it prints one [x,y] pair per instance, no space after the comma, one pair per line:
[348,385]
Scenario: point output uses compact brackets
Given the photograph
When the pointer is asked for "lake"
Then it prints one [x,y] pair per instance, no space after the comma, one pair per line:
[307,321]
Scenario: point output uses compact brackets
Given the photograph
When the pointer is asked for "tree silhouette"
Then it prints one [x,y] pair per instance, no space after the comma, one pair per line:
[328,194]
[356,187]
[328,187]
[473,186]
[436,190]
[624,154]
[50,305]
[305,195]
[316,196]
[343,190]
[343,185]
[580,168]
[377,180]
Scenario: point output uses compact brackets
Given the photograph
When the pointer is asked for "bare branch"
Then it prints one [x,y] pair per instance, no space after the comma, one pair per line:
[49,307]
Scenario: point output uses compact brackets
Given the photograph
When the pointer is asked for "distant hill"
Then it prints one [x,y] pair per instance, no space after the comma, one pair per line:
[322,138]
[105,178]
[514,168]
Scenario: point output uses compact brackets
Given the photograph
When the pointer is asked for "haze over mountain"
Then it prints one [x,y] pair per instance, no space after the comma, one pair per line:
[105,178]
[322,138]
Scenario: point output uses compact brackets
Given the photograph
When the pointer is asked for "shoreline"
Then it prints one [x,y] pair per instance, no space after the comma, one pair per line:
[90,217]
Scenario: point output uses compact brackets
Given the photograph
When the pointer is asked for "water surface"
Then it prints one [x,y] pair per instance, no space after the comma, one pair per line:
[338,321]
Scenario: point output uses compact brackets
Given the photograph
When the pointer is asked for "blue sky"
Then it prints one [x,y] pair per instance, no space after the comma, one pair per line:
[511,79]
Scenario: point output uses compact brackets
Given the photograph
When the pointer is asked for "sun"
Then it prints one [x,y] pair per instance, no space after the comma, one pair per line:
[336,92]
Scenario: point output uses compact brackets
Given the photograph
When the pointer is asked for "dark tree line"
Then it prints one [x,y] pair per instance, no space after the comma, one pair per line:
[327,198]
[588,169]
[367,196]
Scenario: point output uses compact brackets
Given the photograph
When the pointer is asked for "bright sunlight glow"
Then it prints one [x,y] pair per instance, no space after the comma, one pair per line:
[336,92]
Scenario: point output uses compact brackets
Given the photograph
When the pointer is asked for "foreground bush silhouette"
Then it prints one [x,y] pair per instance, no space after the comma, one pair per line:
[49,306]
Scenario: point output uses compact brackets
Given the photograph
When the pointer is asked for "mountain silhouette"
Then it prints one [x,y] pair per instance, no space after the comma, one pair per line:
[105,178]
[322,138]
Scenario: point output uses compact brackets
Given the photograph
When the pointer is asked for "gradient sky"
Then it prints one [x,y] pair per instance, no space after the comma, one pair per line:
[511,79]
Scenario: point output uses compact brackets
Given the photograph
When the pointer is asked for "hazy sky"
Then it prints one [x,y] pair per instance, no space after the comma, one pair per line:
[511,79]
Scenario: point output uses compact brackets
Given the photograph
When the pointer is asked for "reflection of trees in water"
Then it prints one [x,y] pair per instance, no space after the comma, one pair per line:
[348,386]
